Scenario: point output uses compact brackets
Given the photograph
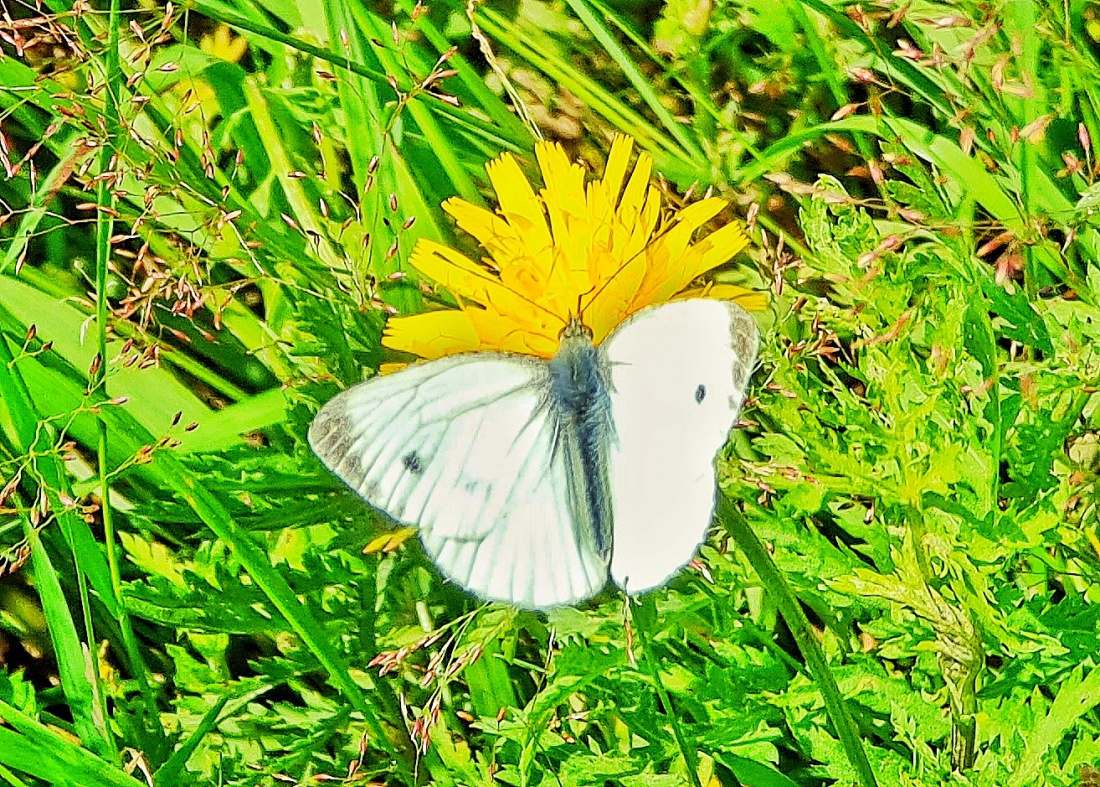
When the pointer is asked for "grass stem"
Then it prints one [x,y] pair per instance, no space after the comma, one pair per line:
[644,617]
[772,579]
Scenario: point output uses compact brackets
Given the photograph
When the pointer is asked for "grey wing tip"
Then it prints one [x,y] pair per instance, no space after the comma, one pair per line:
[745,342]
[329,434]
[742,323]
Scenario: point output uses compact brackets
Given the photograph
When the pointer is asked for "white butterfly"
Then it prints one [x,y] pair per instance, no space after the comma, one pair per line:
[530,480]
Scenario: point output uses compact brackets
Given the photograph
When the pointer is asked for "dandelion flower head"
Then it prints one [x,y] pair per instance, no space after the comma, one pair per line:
[598,251]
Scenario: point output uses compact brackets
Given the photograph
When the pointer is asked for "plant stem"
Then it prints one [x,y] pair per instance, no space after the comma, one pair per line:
[113,83]
[643,618]
[774,583]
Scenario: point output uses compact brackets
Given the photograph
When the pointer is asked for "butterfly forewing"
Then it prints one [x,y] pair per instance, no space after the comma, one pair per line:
[469,449]
[677,377]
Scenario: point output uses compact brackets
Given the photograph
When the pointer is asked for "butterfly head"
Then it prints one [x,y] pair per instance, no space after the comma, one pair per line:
[575,331]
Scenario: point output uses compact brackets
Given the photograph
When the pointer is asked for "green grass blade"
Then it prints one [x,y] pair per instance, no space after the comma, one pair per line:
[223,428]
[35,749]
[171,771]
[17,403]
[473,83]
[223,12]
[644,617]
[667,154]
[772,579]
[74,659]
[76,669]
[38,208]
[637,79]
[117,142]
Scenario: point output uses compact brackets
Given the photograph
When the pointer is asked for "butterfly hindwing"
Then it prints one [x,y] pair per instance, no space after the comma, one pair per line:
[677,377]
[468,449]
[540,551]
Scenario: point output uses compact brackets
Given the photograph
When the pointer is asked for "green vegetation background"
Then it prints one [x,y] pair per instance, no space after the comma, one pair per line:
[203,207]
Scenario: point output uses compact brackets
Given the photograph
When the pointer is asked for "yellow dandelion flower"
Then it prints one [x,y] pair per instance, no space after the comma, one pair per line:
[599,251]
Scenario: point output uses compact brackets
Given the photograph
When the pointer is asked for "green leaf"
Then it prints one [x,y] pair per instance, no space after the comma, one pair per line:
[1078,695]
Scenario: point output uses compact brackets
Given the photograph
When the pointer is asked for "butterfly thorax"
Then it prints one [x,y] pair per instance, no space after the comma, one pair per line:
[575,379]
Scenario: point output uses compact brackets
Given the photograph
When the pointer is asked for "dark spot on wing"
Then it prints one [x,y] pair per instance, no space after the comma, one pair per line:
[412,463]
[700,394]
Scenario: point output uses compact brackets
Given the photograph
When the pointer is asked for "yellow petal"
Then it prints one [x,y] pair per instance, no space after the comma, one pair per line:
[563,179]
[699,213]
[551,287]
[507,336]
[390,540]
[615,298]
[674,238]
[615,171]
[487,228]
[636,189]
[460,275]
[518,204]
[602,196]
[719,247]
[641,226]
[710,252]
[566,207]
[432,334]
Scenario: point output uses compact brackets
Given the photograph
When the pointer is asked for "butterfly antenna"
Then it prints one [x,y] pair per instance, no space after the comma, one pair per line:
[621,268]
[528,301]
